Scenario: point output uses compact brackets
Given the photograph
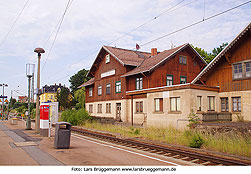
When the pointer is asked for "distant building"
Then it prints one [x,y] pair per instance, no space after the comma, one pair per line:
[22,99]
[49,93]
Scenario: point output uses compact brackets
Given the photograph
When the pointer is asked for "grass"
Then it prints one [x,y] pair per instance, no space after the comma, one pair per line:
[232,144]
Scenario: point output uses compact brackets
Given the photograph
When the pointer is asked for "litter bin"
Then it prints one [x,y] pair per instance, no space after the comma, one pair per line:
[62,135]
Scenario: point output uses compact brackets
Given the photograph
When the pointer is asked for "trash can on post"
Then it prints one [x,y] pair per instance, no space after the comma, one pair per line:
[62,135]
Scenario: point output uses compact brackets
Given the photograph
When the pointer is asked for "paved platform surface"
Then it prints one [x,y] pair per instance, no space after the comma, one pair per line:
[24,147]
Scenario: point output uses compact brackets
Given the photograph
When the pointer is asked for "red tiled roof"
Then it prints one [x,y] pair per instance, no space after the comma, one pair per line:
[127,57]
[150,63]
[88,83]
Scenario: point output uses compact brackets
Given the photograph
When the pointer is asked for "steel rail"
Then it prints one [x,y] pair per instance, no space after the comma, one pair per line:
[166,150]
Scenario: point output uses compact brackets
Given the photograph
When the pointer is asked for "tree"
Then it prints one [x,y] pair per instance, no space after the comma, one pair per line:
[207,57]
[64,98]
[12,102]
[217,50]
[78,79]
[210,56]
[79,96]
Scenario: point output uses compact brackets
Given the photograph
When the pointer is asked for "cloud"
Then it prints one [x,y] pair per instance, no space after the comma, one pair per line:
[90,24]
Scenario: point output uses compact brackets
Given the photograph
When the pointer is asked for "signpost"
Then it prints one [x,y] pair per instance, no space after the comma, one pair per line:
[3,97]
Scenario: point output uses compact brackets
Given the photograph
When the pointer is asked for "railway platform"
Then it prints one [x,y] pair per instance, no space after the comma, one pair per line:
[20,147]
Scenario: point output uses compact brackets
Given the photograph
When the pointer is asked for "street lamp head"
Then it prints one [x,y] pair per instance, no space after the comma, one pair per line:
[4,85]
[39,51]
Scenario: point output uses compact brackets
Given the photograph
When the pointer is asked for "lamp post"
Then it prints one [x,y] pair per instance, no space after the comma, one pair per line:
[3,85]
[29,73]
[39,51]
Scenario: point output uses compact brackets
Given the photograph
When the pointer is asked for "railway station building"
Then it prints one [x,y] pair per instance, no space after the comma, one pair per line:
[163,88]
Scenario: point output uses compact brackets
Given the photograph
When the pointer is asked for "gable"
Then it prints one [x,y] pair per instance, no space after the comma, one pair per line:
[224,54]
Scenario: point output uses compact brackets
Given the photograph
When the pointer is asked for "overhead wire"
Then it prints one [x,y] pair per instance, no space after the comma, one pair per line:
[61,21]
[168,10]
[145,22]
[198,22]
[6,36]
[193,24]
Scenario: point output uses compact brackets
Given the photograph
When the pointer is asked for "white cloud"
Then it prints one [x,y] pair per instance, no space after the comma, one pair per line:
[90,24]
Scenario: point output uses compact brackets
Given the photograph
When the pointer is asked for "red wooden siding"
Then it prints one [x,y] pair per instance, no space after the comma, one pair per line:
[157,78]
[104,67]
[221,74]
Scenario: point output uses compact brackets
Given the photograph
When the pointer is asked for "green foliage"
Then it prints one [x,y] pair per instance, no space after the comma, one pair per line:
[217,50]
[64,98]
[21,109]
[33,113]
[78,79]
[12,102]
[18,104]
[210,56]
[193,119]
[79,96]
[134,131]
[75,117]
[195,140]
[207,56]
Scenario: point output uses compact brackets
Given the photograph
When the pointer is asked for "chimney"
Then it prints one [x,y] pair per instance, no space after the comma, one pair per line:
[153,52]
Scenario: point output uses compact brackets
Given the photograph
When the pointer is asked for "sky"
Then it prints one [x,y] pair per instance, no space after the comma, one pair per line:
[89,24]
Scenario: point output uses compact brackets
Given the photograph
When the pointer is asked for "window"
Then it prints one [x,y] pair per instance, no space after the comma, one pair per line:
[107,58]
[118,87]
[211,103]
[108,88]
[183,79]
[139,83]
[139,107]
[99,108]
[90,108]
[236,104]
[238,71]
[158,103]
[199,103]
[248,69]
[224,104]
[108,107]
[169,80]
[90,92]
[100,90]
[183,60]
[175,103]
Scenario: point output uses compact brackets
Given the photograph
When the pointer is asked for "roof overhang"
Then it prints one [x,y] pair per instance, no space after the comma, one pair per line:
[222,53]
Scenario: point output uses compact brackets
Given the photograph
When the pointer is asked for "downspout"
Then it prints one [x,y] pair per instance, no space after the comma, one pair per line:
[132,109]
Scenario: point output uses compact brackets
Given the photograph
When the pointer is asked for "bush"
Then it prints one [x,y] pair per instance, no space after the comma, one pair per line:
[193,119]
[75,117]
[134,131]
[195,140]
[33,113]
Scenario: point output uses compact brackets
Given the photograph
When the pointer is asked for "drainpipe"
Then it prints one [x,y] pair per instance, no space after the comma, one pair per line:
[132,109]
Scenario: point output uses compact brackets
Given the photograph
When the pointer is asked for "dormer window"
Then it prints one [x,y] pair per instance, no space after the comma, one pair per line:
[107,58]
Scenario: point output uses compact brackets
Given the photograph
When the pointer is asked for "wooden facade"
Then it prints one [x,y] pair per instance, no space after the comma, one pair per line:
[103,67]
[222,74]
[172,67]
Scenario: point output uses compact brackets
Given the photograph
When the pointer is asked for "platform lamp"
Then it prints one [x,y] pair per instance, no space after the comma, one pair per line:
[29,74]
[3,85]
[39,51]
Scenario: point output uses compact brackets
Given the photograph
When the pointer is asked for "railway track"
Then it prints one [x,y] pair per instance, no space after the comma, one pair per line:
[186,154]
